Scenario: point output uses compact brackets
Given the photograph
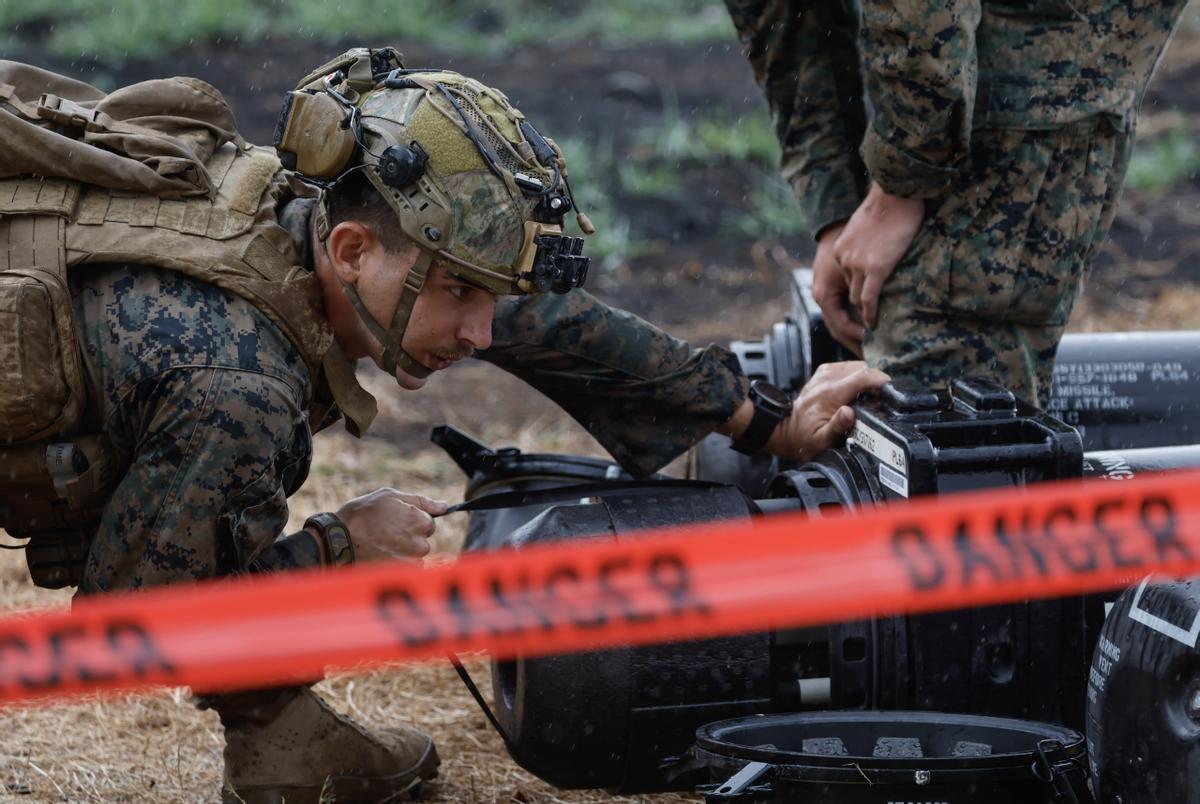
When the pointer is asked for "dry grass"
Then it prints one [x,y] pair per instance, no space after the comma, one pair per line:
[160,748]
[1174,307]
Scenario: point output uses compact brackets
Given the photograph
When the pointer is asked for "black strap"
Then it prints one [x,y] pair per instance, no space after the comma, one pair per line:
[520,499]
[478,696]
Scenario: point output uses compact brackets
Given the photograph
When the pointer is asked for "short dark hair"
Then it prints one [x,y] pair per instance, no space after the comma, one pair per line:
[354,198]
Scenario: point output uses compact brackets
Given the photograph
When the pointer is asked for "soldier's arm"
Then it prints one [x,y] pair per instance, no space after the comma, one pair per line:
[215,453]
[920,67]
[805,58]
[644,395]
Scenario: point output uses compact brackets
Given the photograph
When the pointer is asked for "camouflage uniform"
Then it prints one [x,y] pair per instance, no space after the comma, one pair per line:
[1013,120]
[208,404]
[205,399]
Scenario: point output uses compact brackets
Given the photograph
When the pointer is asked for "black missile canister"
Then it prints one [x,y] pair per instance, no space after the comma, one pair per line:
[1143,697]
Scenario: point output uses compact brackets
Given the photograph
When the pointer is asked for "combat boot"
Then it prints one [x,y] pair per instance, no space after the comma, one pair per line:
[293,749]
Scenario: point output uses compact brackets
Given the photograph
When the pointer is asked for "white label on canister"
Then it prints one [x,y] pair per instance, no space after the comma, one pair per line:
[1106,657]
[875,443]
[893,480]
[1186,636]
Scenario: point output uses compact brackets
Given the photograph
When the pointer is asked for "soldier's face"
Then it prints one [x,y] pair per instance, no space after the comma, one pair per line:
[450,320]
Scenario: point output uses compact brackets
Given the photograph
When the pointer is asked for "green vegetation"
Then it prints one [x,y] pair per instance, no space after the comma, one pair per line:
[659,163]
[593,170]
[643,180]
[117,29]
[1164,161]
[679,143]
[748,137]
[773,212]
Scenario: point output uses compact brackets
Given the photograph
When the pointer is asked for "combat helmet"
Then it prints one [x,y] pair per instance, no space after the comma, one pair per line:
[472,182]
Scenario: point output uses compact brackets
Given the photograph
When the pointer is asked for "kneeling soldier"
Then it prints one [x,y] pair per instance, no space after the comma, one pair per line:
[191,310]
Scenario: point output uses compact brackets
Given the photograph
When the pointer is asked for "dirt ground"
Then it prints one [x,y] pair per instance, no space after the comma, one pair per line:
[158,747]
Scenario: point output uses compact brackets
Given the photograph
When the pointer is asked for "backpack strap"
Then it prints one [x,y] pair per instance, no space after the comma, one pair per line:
[55,480]
[8,94]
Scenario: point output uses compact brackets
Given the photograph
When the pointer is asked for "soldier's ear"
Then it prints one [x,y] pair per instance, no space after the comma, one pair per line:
[347,245]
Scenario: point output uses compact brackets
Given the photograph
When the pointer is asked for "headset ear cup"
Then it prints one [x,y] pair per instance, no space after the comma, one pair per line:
[401,165]
[310,135]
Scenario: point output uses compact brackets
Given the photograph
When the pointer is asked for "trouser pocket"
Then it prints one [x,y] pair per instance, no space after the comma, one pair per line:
[1014,244]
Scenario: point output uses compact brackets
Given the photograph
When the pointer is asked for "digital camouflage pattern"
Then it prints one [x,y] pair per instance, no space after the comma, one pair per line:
[989,282]
[805,57]
[1014,120]
[644,395]
[205,400]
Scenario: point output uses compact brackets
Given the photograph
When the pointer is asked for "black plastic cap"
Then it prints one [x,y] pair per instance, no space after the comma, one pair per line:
[905,395]
[982,396]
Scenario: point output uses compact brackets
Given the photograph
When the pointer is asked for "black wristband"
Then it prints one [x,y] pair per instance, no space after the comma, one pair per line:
[336,535]
[771,406]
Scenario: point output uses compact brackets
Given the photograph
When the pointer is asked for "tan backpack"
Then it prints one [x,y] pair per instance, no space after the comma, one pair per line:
[63,139]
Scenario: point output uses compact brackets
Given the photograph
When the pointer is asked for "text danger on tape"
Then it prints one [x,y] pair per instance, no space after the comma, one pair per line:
[707,580]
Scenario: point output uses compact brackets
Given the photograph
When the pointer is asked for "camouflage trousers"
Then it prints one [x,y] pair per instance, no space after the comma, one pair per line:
[989,282]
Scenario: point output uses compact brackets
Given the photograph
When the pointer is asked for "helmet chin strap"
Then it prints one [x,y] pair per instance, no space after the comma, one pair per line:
[394,355]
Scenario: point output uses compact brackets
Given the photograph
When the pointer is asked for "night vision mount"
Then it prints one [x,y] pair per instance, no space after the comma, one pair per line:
[552,262]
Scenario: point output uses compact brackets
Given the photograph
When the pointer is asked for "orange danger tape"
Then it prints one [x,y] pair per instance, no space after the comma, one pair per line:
[702,581]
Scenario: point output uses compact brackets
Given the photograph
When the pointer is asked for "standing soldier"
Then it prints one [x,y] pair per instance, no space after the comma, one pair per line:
[180,313]
[959,162]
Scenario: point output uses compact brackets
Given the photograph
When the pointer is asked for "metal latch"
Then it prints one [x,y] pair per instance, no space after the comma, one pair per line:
[1062,775]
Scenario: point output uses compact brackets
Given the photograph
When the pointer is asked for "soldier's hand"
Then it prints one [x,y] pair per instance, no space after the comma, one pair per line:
[390,524]
[872,244]
[821,415]
[831,291]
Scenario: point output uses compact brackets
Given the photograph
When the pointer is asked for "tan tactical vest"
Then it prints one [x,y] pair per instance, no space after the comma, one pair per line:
[54,476]
[231,240]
